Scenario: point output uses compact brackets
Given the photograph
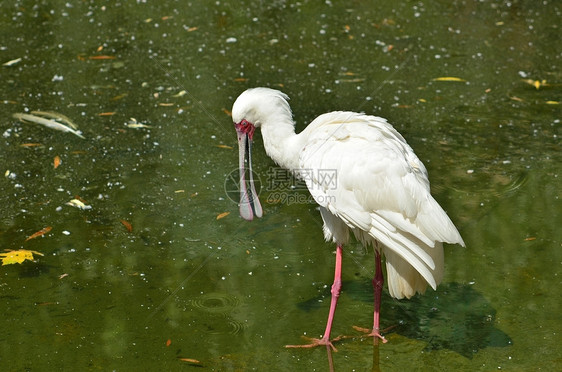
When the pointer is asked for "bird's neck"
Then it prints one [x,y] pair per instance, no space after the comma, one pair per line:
[281,142]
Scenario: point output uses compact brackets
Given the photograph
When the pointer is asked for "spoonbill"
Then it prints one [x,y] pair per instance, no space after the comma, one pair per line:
[381,192]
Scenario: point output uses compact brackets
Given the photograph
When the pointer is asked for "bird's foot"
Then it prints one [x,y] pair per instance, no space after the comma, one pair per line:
[314,342]
[373,333]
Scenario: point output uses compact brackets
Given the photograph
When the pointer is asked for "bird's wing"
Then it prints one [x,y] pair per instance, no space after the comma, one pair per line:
[362,170]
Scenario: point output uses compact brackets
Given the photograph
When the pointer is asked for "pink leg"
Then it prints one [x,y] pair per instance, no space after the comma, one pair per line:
[378,282]
[336,289]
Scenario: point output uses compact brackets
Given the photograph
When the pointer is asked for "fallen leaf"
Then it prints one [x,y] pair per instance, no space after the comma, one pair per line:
[30,144]
[102,57]
[449,78]
[536,83]
[49,123]
[552,102]
[227,112]
[57,162]
[12,62]
[57,116]
[168,342]
[530,238]
[12,257]
[191,29]
[120,96]
[63,276]
[78,204]
[222,215]
[189,360]
[127,225]
[106,113]
[39,233]
[225,147]
[180,94]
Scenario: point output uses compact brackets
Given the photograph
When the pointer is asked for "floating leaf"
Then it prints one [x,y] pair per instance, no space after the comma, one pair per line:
[12,62]
[102,57]
[78,204]
[56,162]
[222,215]
[127,225]
[57,116]
[180,94]
[39,233]
[12,257]
[46,122]
[134,124]
[536,83]
[189,360]
[449,78]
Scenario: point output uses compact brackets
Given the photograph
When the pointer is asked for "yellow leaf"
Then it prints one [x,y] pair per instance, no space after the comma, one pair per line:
[222,215]
[78,204]
[552,102]
[536,83]
[224,147]
[449,78]
[12,257]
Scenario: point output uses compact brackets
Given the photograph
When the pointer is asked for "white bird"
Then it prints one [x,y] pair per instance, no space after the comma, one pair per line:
[380,191]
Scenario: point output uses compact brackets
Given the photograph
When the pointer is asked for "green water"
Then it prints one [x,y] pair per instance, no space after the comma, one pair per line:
[230,293]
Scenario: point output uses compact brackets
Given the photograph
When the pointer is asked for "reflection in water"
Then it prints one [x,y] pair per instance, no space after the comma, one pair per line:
[456,317]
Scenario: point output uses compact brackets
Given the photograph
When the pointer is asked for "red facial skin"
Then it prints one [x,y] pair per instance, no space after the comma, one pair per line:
[245,127]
